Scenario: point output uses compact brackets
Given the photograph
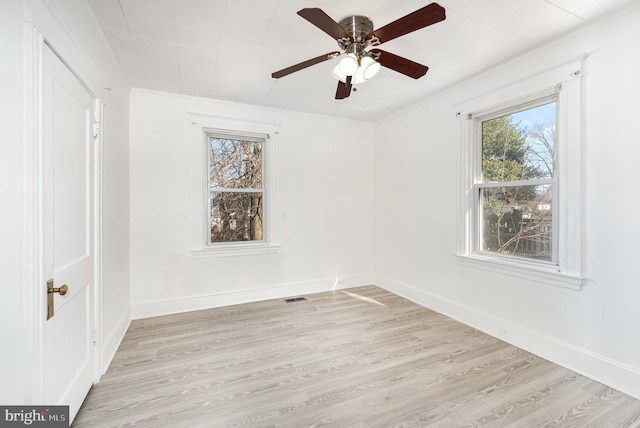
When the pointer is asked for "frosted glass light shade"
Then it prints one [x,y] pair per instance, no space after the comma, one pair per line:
[339,74]
[359,76]
[348,64]
[369,67]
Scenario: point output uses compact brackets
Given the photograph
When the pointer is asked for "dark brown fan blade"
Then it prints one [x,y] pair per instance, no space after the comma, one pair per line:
[400,64]
[421,18]
[344,89]
[317,17]
[305,64]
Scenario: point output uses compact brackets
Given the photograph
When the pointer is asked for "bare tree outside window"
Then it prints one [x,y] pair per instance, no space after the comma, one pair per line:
[236,189]
[518,177]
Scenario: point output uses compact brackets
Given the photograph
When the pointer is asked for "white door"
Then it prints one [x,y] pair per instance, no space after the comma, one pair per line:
[68,140]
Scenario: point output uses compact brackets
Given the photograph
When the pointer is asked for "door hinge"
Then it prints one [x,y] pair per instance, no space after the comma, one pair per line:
[96,129]
[94,337]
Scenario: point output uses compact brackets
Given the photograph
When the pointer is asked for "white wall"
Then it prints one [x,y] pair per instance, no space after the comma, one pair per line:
[323,207]
[12,371]
[594,331]
[70,28]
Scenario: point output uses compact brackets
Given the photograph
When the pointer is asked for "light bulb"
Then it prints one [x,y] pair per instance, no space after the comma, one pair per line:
[348,65]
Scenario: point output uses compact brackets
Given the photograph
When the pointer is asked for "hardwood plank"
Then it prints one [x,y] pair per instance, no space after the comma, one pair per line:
[354,358]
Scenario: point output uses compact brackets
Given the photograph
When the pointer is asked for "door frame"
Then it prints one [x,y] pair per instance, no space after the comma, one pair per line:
[43,28]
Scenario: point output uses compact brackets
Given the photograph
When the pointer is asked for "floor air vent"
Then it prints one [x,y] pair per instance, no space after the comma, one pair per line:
[295,299]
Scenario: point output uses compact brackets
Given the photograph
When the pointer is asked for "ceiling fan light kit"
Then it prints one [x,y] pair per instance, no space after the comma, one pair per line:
[355,36]
[360,73]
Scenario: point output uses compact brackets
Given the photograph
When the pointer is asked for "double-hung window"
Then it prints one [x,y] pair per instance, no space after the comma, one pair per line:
[236,188]
[521,205]
[233,202]
[515,182]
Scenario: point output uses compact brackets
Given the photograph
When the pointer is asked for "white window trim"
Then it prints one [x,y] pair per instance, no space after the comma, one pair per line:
[200,124]
[566,80]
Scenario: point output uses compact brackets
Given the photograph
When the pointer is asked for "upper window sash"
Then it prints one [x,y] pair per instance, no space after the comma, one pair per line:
[229,135]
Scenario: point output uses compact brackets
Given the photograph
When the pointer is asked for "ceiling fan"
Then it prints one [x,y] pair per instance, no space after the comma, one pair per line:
[355,35]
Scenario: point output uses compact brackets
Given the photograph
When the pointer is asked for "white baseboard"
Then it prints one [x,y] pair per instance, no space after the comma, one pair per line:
[110,344]
[194,303]
[617,375]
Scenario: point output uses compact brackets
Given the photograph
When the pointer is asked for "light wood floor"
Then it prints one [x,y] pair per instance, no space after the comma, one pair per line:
[357,358]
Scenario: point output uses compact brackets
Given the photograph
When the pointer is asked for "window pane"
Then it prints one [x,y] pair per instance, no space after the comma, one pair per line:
[517,221]
[236,216]
[235,164]
[520,146]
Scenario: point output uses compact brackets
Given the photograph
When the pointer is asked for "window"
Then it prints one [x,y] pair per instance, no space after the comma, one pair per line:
[515,184]
[521,205]
[236,189]
[232,176]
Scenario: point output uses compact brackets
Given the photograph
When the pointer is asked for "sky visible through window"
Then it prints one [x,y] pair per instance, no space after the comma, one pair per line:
[543,114]
[540,125]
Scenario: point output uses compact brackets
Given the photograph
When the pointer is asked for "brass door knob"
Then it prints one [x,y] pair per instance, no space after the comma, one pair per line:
[62,290]
[50,290]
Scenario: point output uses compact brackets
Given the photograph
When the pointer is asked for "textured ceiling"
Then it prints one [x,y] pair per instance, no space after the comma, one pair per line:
[227,49]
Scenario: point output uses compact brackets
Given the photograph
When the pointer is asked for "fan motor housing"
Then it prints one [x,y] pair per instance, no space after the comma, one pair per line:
[358,26]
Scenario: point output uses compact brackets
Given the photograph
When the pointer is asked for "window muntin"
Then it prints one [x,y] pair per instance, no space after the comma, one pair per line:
[516,182]
[236,191]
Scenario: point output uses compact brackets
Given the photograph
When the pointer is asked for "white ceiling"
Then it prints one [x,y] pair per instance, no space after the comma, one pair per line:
[227,49]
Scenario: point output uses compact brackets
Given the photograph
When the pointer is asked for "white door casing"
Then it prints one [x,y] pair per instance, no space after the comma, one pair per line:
[68,233]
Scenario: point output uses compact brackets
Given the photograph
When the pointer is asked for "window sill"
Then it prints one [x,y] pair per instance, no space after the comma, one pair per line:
[235,250]
[546,275]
